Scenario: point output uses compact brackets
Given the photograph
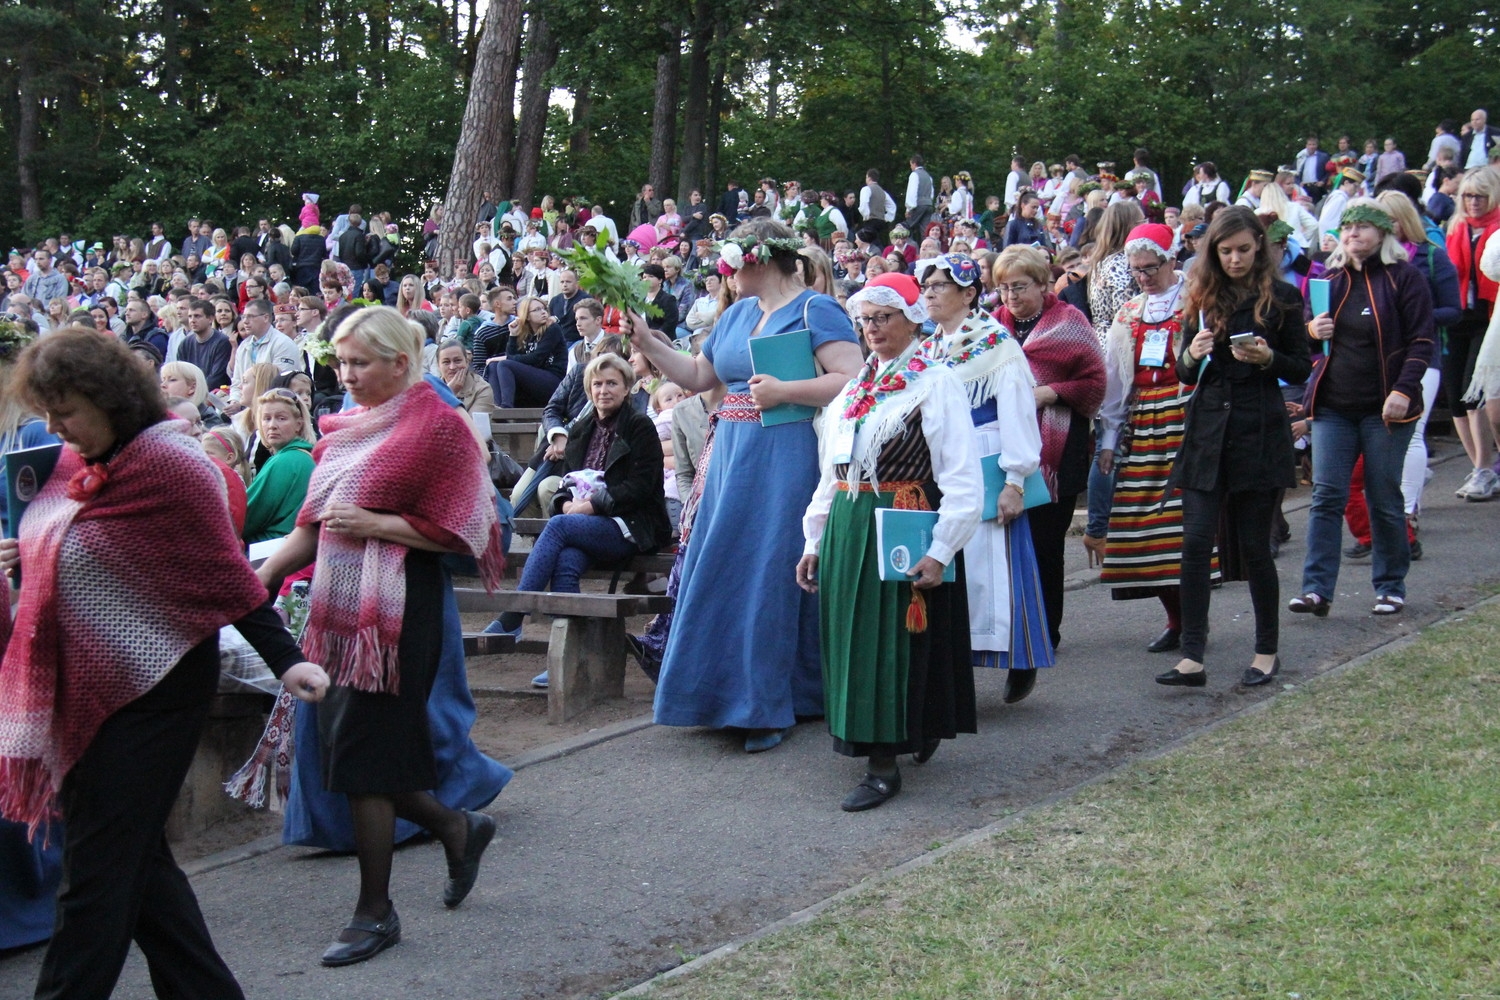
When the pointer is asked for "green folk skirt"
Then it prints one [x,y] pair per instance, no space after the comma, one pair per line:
[886,691]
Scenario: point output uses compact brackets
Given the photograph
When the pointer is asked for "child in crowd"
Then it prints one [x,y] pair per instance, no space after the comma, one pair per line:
[667,396]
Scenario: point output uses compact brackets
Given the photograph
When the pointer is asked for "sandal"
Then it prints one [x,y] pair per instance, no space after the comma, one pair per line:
[1309,604]
[1388,604]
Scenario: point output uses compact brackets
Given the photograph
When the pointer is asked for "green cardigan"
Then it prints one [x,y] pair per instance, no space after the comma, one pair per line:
[277,491]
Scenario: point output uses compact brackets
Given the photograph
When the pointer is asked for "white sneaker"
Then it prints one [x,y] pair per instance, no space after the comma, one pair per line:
[1485,483]
[1468,484]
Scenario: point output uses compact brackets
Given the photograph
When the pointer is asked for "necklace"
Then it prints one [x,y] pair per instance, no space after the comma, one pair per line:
[1160,307]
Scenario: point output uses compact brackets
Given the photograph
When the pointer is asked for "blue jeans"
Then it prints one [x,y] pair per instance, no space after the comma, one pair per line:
[1101,490]
[568,546]
[518,384]
[1337,442]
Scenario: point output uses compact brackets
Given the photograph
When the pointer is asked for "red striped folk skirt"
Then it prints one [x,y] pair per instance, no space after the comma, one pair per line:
[1143,551]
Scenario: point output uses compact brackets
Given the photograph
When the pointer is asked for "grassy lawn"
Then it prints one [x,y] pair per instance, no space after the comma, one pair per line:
[1341,844]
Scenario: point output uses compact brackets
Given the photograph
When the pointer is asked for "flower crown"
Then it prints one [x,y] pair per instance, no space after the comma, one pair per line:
[13,339]
[734,253]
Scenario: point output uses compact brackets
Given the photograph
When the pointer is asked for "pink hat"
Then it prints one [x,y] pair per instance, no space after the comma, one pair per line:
[903,285]
[1150,237]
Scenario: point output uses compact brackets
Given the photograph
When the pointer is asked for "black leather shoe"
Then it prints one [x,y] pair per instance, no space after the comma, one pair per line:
[873,791]
[649,662]
[1176,678]
[378,936]
[1018,684]
[929,747]
[1252,677]
[1166,642]
[461,876]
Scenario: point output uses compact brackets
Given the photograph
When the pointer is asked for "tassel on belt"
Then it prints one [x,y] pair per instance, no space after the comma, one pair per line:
[909,495]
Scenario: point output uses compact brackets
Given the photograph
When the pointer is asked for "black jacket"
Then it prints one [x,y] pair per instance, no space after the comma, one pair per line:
[667,321]
[277,253]
[548,352]
[633,479]
[353,250]
[1237,410]
[308,254]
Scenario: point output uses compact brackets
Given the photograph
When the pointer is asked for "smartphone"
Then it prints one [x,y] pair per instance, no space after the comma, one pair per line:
[1242,340]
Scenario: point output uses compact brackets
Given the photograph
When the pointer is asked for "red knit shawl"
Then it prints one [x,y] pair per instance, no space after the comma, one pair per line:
[413,455]
[1062,348]
[118,585]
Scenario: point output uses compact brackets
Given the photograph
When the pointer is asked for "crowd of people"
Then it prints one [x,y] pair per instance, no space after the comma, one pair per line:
[1178,360]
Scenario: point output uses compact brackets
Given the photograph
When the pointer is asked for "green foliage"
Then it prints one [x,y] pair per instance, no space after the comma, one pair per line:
[611,282]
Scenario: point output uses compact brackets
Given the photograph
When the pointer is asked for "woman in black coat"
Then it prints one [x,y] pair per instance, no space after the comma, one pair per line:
[1236,450]
[612,503]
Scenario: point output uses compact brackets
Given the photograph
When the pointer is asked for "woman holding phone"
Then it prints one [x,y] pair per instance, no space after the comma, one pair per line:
[1245,331]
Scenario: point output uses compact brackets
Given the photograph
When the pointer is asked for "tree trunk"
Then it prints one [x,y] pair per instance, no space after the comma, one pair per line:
[773,89]
[711,178]
[583,103]
[27,131]
[489,107]
[664,111]
[499,168]
[541,56]
[695,108]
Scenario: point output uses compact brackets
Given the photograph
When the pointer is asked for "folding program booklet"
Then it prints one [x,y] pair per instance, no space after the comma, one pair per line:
[789,357]
[902,538]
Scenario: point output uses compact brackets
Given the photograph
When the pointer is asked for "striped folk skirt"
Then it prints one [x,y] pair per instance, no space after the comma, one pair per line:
[1143,551]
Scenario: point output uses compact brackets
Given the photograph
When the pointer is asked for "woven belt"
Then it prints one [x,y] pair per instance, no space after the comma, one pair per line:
[738,406]
[909,493]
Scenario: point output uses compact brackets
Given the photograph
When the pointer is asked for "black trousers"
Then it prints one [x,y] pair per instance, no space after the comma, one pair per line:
[1049,533]
[1251,514]
[120,881]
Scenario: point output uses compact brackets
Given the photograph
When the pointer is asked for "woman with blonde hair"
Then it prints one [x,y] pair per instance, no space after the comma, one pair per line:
[534,361]
[412,295]
[1365,401]
[184,380]
[1474,223]
[257,382]
[817,269]
[1431,260]
[1303,222]
[280,485]
[378,531]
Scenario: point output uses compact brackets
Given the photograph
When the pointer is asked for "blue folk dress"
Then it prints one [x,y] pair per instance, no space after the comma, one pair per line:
[743,651]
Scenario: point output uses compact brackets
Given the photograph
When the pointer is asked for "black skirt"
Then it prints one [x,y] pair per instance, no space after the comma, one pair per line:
[379,744]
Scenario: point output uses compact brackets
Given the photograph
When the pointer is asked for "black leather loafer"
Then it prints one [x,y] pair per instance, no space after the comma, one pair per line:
[1253,678]
[461,876]
[1018,684]
[1166,642]
[378,936]
[873,791]
[1176,678]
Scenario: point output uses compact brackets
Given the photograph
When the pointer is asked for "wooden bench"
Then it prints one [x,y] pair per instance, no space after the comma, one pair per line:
[515,431]
[586,653]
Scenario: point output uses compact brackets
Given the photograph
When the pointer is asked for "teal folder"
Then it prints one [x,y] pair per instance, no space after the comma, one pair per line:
[26,472]
[1035,492]
[902,538]
[789,357]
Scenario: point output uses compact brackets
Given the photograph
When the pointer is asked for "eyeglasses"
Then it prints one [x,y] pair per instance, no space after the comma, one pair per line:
[1146,272]
[877,319]
[1017,289]
[929,285]
[1470,196]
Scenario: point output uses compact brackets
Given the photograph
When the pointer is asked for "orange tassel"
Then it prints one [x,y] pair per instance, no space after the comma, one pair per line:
[916,612]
